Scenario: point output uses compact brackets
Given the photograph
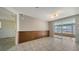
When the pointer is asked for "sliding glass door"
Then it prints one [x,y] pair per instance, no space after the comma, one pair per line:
[57,29]
[65,27]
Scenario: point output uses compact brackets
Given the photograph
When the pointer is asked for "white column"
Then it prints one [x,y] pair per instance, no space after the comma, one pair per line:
[17,20]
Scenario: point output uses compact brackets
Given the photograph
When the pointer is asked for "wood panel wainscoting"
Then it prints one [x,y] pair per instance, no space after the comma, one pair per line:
[25,36]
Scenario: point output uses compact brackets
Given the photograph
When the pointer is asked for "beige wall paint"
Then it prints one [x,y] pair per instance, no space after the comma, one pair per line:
[27,23]
[0,24]
[8,29]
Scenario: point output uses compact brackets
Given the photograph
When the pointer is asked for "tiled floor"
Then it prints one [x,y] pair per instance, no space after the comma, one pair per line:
[7,43]
[48,44]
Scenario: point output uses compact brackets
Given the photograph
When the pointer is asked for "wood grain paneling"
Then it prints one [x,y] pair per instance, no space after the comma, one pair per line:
[31,35]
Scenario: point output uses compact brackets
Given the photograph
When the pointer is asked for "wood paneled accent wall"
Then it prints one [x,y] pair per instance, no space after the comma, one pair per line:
[31,35]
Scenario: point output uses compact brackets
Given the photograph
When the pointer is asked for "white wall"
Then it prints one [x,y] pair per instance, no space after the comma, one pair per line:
[8,29]
[0,24]
[27,23]
[77,29]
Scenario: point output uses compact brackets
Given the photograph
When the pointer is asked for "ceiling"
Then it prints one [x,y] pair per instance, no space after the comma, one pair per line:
[45,13]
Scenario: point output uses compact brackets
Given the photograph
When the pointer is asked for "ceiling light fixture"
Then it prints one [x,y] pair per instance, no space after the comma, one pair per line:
[53,15]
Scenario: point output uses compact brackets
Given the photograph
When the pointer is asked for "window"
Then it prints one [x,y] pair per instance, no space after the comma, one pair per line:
[57,28]
[66,26]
